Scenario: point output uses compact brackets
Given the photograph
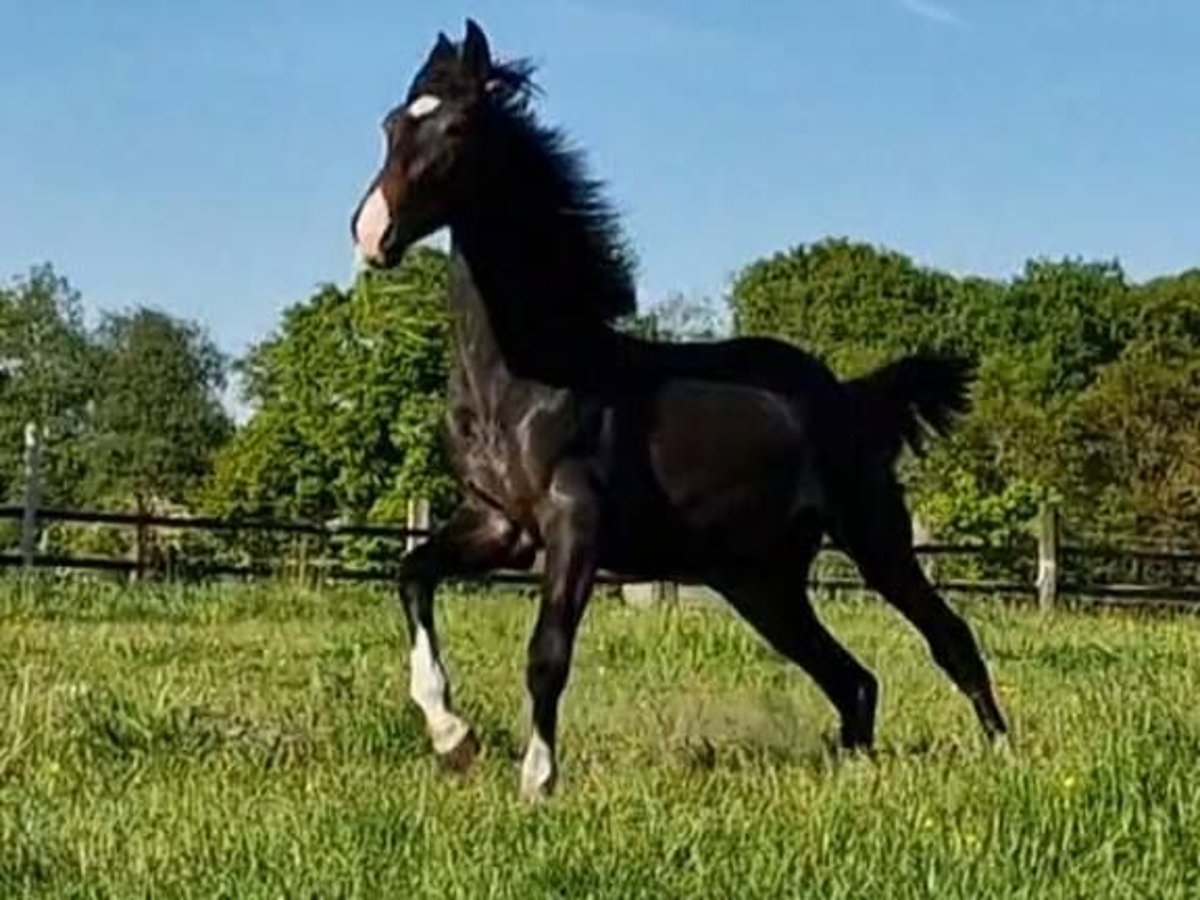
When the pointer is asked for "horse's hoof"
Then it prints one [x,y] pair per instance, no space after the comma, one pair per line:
[462,755]
[848,747]
[852,759]
[1002,746]
[857,753]
[537,793]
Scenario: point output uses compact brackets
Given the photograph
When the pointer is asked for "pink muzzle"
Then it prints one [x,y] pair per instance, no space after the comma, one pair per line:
[371,226]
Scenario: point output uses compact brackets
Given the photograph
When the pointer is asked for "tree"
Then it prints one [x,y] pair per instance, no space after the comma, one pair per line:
[158,419]
[1056,324]
[854,305]
[1041,341]
[859,307]
[48,368]
[678,318]
[1138,423]
[347,403]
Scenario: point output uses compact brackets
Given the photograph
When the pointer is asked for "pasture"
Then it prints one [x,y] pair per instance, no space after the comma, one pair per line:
[257,741]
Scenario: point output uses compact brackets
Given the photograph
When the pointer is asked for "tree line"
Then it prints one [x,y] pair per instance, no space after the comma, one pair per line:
[1088,391]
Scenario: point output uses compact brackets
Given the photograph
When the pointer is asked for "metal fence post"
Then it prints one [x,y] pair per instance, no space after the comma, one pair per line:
[1048,556]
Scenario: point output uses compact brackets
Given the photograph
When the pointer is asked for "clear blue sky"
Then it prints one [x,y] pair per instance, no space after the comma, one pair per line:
[205,156]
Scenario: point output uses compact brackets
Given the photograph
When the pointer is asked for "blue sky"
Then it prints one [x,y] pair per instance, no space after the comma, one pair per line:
[205,157]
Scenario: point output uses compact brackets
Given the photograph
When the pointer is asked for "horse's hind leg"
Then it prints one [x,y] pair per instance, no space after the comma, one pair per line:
[775,601]
[877,534]
[474,540]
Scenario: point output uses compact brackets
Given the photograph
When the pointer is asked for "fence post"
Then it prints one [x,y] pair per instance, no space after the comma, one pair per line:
[302,560]
[424,517]
[140,542]
[922,537]
[33,494]
[1048,556]
[417,520]
[665,592]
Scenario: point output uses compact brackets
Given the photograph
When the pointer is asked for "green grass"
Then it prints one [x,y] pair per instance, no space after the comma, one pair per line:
[256,741]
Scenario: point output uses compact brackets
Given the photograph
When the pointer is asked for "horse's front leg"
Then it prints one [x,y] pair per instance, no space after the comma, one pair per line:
[569,530]
[475,539]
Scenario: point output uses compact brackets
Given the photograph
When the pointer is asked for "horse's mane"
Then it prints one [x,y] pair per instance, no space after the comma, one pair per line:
[578,226]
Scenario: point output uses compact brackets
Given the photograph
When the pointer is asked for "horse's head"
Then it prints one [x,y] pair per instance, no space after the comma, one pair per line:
[429,145]
[466,151]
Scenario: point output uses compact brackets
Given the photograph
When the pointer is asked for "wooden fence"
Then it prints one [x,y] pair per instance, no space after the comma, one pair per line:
[1050,563]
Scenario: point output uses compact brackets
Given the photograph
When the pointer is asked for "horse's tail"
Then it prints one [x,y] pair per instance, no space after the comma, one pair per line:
[903,402]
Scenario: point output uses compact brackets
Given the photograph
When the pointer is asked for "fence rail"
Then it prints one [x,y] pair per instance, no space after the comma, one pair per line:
[1048,587]
[203,523]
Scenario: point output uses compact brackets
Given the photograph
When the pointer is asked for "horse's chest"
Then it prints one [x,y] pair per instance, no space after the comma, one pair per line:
[507,452]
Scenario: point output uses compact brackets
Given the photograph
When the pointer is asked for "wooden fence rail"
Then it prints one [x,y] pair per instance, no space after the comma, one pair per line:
[1048,588]
[47,515]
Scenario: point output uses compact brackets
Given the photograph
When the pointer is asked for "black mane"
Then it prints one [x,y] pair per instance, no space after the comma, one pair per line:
[544,183]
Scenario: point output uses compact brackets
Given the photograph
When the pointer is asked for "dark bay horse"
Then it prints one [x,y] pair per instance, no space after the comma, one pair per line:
[725,463]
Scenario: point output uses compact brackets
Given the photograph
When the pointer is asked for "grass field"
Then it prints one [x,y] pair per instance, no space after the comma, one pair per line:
[256,741]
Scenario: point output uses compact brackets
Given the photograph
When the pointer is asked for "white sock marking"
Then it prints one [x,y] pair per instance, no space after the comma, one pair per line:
[538,769]
[430,690]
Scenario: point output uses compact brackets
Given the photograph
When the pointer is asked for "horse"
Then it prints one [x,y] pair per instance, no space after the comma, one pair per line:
[724,463]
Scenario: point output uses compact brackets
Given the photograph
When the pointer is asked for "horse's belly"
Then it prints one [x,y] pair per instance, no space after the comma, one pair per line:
[733,462]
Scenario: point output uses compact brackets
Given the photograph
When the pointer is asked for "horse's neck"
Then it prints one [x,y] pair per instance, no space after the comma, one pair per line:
[514,313]
[478,361]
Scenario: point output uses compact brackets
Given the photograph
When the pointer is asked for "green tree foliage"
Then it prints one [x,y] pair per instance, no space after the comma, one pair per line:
[679,318]
[347,401]
[1087,388]
[1138,424]
[1056,324]
[1041,340]
[157,417]
[126,412]
[854,305]
[47,370]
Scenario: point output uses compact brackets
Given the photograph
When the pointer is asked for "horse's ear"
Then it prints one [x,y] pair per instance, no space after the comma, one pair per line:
[443,49]
[476,54]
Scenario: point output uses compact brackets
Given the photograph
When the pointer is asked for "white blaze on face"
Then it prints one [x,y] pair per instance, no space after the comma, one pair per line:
[425,105]
[430,691]
[371,226]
